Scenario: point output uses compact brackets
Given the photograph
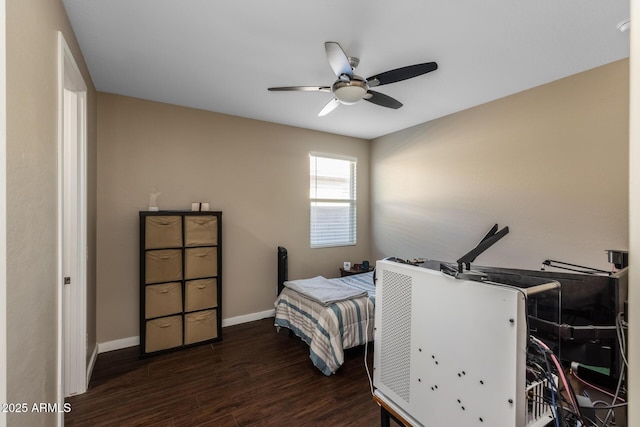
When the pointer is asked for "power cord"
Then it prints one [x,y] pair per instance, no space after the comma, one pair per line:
[366,347]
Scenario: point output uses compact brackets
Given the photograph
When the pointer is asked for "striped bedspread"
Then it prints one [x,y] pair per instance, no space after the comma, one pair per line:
[329,330]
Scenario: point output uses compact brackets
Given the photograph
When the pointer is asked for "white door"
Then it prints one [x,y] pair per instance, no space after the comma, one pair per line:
[72,226]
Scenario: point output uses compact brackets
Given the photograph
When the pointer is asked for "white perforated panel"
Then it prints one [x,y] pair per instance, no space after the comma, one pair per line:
[395,334]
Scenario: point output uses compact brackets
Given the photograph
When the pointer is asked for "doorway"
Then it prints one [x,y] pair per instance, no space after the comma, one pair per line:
[72,226]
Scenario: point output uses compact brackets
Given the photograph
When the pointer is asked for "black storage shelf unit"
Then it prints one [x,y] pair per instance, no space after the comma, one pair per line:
[180,280]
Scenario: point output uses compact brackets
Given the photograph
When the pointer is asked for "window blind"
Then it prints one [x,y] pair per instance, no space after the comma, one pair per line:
[332,200]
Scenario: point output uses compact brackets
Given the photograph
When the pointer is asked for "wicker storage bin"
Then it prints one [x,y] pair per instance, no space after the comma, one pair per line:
[200,262]
[200,230]
[201,294]
[163,333]
[200,326]
[163,299]
[163,232]
[163,266]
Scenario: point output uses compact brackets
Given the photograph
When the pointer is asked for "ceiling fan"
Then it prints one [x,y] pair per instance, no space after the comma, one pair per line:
[350,88]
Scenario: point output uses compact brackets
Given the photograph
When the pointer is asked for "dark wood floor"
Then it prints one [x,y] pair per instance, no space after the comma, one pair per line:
[254,377]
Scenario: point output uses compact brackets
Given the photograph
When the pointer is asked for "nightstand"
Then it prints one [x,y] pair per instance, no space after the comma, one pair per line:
[352,271]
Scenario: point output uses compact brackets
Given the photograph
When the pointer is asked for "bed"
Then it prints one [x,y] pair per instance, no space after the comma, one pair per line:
[329,327]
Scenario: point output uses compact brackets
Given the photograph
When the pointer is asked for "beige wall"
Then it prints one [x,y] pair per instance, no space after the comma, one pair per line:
[32,138]
[551,163]
[256,173]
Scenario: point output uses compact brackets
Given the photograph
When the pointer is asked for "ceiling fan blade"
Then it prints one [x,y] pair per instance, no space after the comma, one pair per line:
[402,73]
[338,60]
[331,105]
[301,88]
[382,100]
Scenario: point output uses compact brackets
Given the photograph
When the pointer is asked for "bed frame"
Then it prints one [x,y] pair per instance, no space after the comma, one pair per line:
[283,271]
[283,268]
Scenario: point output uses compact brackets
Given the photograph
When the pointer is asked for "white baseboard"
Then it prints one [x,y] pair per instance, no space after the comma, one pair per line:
[92,362]
[103,347]
[247,318]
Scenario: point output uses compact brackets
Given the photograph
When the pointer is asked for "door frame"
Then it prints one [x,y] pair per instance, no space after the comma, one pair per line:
[3,210]
[72,168]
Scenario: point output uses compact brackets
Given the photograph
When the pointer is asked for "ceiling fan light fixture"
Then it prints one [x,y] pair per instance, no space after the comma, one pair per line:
[624,26]
[350,92]
[351,89]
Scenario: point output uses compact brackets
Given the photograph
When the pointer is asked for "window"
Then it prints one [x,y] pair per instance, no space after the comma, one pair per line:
[333,200]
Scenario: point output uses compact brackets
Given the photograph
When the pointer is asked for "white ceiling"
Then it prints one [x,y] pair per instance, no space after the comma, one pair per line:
[222,56]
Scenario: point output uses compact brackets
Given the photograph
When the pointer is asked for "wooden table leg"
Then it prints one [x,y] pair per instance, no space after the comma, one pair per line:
[385,419]
[387,414]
